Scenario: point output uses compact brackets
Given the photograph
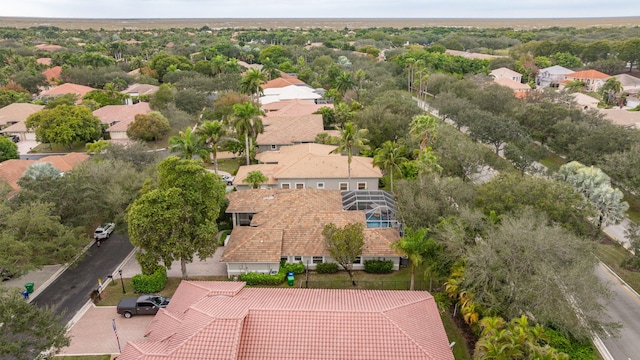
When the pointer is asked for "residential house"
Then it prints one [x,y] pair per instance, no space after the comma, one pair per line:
[630,84]
[13,118]
[505,73]
[116,118]
[311,165]
[472,55]
[12,170]
[303,92]
[273,225]
[67,88]
[593,79]
[283,81]
[48,47]
[585,101]
[284,131]
[226,320]
[53,75]
[520,90]
[551,76]
[44,61]
[622,117]
[136,90]
[293,107]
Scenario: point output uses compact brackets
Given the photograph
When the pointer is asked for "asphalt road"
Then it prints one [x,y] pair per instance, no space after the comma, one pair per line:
[624,309]
[69,292]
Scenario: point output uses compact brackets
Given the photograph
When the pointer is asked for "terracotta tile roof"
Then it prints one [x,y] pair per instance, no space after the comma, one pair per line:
[293,107]
[68,88]
[300,215]
[514,85]
[290,130]
[11,170]
[622,117]
[17,112]
[53,73]
[587,74]
[309,160]
[267,170]
[118,117]
[141,89]
[276,323]
[282,82]
[47,47]
[44,61]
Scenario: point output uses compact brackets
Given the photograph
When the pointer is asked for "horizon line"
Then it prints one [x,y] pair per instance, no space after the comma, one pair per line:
[323,18]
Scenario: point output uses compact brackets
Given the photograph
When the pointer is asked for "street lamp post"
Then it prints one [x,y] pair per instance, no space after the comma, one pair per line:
[121,281]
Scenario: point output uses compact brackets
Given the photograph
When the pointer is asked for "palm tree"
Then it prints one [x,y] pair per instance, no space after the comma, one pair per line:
[351,138]
[214,133]
[344,82]
[413,245]
[610,89]
[255,179]
[424,128]
[97,147]
[251,83]
[188,144]
[247,121]
[389,158]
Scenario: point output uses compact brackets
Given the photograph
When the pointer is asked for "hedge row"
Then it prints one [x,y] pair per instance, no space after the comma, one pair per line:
[327,268]
[267,279]
[378,266]
[150,283]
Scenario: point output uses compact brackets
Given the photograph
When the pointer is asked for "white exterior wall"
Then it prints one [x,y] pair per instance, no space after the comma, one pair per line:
[330,184]
[308,261]
[237,269]
[118,135]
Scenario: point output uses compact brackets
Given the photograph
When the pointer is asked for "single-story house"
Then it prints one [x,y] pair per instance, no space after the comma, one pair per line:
[585,101]
[520,90]
[53,74]
[622,117]
[17,112]
[630,84]
[301,91]
[593,79]
[283,81]
[505,73]
[116,118]
[311,165]
[551,76]
[48,47]
[67,88]
[293,107]
[136,90]
[226,320]
[273,225]
[44,61]
[12,170]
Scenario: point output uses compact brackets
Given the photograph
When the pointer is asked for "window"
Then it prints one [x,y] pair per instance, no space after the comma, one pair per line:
[274,147]
[343,186]
[285,186]
[284,258]
[299,185]
[244,219]
[320,185]
[297,258]
[362,186]
[358,260]
[317,259]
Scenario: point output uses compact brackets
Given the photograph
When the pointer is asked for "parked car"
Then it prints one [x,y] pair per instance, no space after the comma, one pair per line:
[228,179]
[14,138]
[103,232]
[147,304]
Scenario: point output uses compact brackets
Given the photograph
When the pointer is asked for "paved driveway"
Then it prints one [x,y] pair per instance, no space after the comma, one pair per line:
[25,146]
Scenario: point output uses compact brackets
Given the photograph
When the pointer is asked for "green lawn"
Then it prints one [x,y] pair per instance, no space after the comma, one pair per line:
[613,255]
[55,148]
[455,335]
[229,165]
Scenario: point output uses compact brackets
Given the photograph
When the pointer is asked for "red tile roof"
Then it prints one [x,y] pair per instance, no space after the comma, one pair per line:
[588,74]
[68,88]
[17,112]
[53,73]
[293,107]
[44,61]
[118,117]
[12,170]
[282,82]
[223,320]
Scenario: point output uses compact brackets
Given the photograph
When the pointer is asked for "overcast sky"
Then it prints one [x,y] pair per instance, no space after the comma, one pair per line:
[141,9]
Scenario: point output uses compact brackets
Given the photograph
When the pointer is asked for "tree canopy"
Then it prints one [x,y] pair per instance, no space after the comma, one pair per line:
[65,125]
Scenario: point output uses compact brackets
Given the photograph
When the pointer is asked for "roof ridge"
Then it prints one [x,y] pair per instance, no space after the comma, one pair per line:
[397,326]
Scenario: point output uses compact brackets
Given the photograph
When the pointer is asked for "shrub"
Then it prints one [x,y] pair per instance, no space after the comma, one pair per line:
[150,283]
[327,268]
[378,266]
[263,279]
[297,268]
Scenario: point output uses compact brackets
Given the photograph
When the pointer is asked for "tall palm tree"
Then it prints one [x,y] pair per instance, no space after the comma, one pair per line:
[424,128]
[188,144]
[344,82]
[351,138]
[255,179]
[413,245]
[251,83]
[214,133]
[389,158]
[610,89]
[247,122]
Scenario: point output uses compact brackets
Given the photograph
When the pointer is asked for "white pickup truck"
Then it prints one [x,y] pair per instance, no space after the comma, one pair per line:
[103,232]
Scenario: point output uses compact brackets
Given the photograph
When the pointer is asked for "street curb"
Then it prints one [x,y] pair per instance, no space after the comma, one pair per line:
[631,290]
[59,272]
[602,349]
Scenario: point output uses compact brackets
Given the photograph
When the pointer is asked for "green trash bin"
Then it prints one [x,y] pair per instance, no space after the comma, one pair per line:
[29,287]
[290,279]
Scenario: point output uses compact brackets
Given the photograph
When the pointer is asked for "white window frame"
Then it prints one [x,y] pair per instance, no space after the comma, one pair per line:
[299,184]
[340,186]
[358,260]
[274,147]
[313,259]
[297,258]
[285,258]
[282,186]
[320,185]
[362,183]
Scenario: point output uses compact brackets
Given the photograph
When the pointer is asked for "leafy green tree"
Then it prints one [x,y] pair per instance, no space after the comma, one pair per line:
[389,158]
[629,51]
[65,125]
[344,244]
[161,99]
[567,60]
[624,167]
[30,79]
[177,219]
[215,134]
[29,331]
[255,179]
[8,149]
[8,97]
[66,99]
[424,128]
[97,147]
[494,130]
[350,140]
[414,246]
[610,90]
[191,101]
[523,154]
[40,169]
[104,98]
[148,127]
[517,269]
[248,123]
[188,144]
